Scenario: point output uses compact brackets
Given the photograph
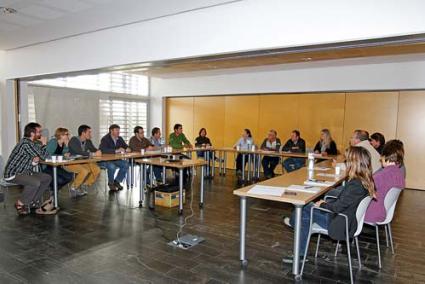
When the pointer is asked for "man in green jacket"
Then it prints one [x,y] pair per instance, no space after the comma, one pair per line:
[177,139]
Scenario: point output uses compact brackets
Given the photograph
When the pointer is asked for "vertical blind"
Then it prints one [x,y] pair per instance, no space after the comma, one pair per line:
[126,113]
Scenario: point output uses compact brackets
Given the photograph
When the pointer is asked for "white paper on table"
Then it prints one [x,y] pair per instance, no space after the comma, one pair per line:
[267,190]
[327,175]
[303,188]
[319,183]
[322,169]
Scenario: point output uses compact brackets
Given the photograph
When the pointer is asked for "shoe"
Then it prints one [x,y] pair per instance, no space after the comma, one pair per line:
[287,222]
[84,188]
[72,192]
[112,187]
[118,185]
[290,259]
[81,192]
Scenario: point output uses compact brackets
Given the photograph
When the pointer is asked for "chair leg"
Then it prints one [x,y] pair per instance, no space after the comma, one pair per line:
[377,244]
[336,249]
[317,246]
[390,233]
[358,252]
[349,260]
[305,253]
[386,236]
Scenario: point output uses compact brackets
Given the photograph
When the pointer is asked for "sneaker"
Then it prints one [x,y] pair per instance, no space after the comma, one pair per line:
[290,259]
[72,192]
[118,185]
[287,222]
[112,187]
[81,192]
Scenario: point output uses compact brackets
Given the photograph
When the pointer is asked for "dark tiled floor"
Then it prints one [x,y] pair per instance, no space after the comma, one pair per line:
[108,239]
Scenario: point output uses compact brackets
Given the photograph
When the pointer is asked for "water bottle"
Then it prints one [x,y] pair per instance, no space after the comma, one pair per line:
[310,161]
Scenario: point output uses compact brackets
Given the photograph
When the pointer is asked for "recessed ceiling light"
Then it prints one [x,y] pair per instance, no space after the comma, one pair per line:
[6,10]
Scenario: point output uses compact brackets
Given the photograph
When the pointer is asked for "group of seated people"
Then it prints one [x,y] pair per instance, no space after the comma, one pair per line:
[22,165]
[368,173]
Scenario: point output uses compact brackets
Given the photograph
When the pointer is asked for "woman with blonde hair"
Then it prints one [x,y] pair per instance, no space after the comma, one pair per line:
[359,184]
[326,145]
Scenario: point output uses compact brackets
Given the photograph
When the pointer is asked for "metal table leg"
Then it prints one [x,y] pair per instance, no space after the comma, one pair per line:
[297,235]
[142,188]
[180,191]
[201,204]
[242,234]
[207,159]
[249,166]
[243,167]
[213,163]
[55,185]
[164,178]
[132,173]
[224,163]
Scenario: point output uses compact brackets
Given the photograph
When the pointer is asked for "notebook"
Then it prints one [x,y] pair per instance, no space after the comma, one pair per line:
[267,190]
[303,188]
[319,183]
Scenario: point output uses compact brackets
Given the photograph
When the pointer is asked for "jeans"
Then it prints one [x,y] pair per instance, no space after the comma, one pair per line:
[292,164]
[63,176]
[321,218]
[34,187]
[157,171]
[269,164]
[113,166]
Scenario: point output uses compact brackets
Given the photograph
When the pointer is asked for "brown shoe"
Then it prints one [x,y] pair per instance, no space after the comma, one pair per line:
[112,187]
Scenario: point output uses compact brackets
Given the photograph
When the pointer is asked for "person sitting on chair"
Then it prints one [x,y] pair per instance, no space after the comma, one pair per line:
[359,184]
[113,143]
[269,163]
[244,143]
[20,170]
[326,145]
[294,145]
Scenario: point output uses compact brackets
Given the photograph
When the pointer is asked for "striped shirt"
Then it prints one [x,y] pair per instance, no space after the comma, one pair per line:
[20,160]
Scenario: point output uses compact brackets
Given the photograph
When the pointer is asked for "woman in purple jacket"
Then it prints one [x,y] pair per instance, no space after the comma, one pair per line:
[390,176]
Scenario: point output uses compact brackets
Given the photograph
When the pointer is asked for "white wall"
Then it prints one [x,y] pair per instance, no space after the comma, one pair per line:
[241,26]
[380,73]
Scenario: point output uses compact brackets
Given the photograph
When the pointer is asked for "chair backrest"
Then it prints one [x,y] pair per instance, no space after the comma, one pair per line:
[390,202]
[360,214]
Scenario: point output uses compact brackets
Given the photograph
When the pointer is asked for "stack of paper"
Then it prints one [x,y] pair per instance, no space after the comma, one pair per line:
[327,175]
[319,183]
[303,188]
[322,169]
[267,190]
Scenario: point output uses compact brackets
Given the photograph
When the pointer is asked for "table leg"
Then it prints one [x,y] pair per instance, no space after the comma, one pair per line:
[242,233]
[259,166]
[207,159]
[145,176]
[213,164]
[180,191]
[249,166]
[243,167]
[201,204]
[224,163]
[151,175]
[297,235]
[55,185]
[142,188]
[132,173]
[164,178]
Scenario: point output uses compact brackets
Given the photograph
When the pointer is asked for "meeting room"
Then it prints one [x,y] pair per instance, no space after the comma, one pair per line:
[212,141]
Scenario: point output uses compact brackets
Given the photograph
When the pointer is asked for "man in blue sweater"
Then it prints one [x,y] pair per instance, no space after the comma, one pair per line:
[113,143]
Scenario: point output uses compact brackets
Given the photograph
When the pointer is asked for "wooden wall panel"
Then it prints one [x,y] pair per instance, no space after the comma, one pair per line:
[318,111]
[374,112]
[209,113]
[240,112]
[279,112]
[180,110]
[411,130]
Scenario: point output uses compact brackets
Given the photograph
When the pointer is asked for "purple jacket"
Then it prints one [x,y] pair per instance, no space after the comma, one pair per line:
[385,179]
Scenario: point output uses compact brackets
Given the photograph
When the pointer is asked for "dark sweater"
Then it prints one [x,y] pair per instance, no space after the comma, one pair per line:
[76,147]
[108,146]
[202,140]
[264,145]
[331,150]
[290,146]
[347,201]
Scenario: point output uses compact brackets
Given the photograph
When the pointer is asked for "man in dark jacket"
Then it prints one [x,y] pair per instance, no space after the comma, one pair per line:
[113,143]
[294,145]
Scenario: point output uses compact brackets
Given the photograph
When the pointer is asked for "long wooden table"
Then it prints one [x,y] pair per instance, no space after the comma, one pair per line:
[299,200]
[180,165]
[254,159]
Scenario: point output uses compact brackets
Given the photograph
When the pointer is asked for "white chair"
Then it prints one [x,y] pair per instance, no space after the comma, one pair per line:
[316,229]
[390,202]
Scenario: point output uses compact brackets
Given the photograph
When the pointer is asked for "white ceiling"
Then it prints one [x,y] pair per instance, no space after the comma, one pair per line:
[39,21]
